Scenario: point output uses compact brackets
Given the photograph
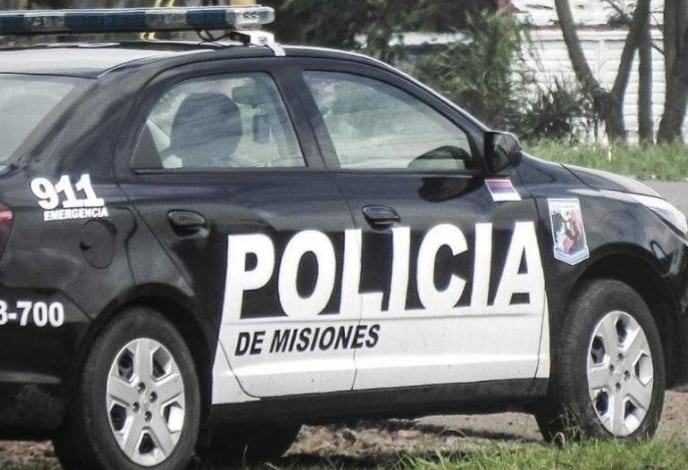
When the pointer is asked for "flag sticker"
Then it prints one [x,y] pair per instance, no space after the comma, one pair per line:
[568,231]
[502,190]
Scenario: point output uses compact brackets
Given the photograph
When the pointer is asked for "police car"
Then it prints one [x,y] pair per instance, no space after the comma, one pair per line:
[206,245]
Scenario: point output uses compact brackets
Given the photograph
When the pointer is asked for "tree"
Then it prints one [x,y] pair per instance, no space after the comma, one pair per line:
[609,103]
[676,61]
[343,23]
[481,72]
[645,120]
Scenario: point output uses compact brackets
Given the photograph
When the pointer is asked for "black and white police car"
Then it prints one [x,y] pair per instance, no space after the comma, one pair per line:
[204,246]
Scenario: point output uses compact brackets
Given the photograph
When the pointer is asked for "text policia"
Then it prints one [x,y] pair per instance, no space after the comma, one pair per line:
[251,262]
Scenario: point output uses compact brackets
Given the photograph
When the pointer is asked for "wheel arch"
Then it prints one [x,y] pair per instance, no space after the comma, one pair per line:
[178,309]
[644,276]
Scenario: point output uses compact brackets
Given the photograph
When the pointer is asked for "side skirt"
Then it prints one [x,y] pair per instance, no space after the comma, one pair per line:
[410,402]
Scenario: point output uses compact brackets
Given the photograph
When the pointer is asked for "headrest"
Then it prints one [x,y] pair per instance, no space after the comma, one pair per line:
[207,126]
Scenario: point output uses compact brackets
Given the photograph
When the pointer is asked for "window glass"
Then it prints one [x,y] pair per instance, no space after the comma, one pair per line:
[26,102]
[236,121]
[374,125]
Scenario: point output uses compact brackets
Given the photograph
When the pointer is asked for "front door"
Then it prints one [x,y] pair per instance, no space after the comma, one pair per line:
[451,271]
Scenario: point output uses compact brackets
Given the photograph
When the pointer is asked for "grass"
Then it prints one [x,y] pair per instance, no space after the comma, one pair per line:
[663,162]
[590,455]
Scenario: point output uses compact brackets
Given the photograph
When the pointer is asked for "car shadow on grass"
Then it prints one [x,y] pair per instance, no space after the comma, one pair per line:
[384,444]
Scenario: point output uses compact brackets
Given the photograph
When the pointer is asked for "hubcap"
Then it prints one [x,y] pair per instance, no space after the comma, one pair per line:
[620,373]
[145,401]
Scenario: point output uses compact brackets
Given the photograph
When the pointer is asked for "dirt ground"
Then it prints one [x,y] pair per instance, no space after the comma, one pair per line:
[375,443]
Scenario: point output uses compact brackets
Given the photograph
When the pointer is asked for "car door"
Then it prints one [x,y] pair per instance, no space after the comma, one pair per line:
[451,269]
[236,194]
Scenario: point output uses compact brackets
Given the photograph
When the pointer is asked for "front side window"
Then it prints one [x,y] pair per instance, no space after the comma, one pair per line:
[374,125]
[230,121]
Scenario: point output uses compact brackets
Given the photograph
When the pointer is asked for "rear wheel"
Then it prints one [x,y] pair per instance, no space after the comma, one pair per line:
[138,403]
[608,375]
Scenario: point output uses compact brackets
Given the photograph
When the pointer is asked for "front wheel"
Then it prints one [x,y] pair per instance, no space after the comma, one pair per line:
[138,402]
[608,373]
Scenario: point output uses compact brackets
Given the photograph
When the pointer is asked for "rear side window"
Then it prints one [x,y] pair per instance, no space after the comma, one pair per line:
[220,122]
[27,105]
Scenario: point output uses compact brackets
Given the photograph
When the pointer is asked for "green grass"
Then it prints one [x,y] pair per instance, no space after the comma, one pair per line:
[590,455]
[593,455]
[664,162]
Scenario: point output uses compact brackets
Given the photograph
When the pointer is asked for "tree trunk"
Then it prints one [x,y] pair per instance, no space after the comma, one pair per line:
[645,118]
[610,104]
[676,57]
[578,61]
[602,98]
[640,19]
[671,125]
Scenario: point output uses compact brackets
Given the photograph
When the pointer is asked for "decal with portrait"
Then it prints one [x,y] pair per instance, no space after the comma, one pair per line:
[568,231]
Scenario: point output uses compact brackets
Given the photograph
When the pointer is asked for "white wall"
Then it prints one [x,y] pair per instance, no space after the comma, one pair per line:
[585,12]
[602,48]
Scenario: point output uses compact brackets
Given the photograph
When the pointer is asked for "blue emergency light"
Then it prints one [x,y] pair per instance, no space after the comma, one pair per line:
[133,20]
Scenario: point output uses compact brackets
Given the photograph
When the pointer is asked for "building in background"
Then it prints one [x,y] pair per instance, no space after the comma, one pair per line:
[602,37]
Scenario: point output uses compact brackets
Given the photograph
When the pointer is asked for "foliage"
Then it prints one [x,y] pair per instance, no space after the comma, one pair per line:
[588,455]
[367,25]
[479,73]
[487,75]
[484,73]
[559,111]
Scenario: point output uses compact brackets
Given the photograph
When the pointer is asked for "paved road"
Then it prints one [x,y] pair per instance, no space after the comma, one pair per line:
[676,193]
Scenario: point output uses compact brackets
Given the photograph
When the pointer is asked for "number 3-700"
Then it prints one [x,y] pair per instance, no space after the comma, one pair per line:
[40,314]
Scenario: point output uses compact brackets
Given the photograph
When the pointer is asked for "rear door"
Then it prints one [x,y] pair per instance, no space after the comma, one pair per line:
[232,186]
[451,269]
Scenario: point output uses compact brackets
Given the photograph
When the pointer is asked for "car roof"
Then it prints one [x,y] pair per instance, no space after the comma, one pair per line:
[94,59]
[86,59]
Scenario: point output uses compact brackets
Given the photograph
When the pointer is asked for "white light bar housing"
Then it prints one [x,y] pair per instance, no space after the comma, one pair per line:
[134,20]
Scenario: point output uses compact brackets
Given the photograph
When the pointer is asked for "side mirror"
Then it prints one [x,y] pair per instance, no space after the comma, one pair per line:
[446,157]
[502,150]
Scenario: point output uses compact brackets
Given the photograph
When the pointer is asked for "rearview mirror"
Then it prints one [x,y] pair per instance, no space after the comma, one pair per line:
[502,150]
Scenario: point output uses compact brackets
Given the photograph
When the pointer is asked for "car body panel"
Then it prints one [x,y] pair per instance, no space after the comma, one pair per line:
[400,361]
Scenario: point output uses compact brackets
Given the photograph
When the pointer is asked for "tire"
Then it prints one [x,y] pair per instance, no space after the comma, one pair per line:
[608,374]
[233,444]
[129,414]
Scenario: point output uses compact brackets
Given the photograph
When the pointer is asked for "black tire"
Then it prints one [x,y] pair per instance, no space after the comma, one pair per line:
[589,376]
[87,439]
[241,444]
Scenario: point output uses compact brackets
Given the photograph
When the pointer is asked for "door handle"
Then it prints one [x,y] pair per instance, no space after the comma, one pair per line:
[380,216]
[186,221]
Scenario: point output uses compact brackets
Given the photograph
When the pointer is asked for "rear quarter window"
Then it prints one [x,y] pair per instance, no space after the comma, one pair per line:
[28,104]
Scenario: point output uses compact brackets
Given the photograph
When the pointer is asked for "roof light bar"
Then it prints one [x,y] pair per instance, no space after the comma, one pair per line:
[133,20]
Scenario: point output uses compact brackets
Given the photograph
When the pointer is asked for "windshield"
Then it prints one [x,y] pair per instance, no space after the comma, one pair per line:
[29,104]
